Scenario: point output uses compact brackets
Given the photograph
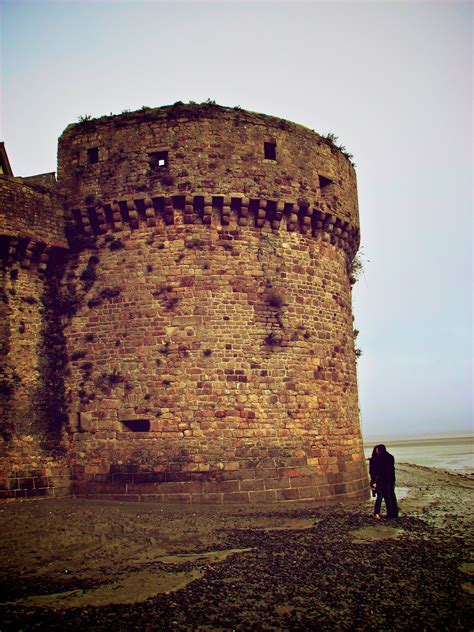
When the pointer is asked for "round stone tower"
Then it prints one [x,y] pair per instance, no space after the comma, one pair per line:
[210,332]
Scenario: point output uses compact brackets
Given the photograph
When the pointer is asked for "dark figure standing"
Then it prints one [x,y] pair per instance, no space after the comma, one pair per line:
[382,481]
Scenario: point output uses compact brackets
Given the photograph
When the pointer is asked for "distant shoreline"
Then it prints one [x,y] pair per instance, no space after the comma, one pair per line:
[454,453]
[419,439]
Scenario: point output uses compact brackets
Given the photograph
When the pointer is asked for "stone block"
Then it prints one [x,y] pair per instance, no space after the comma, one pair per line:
[149,477]
[220,487]
[242,474]
[301,481]
[84,488]
[268,496]
[168,488]
[340,488]
[207,498]
[278,483]
[5,493]
[252,485]
[152,498]
[59,481]
[131,498]
[235,497]
[308,492]
[180,499]
[287,494]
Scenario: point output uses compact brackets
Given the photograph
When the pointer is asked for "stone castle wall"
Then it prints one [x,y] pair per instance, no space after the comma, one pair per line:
[31,232]
[34,214]
[205,309]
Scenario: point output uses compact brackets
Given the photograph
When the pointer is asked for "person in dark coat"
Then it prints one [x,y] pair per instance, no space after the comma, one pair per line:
[382,481]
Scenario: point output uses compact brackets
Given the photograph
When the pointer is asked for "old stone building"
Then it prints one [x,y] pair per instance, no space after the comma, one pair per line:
[176,313]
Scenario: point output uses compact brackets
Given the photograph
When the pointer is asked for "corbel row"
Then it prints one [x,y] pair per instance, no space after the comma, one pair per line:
[316,220]
[25,252]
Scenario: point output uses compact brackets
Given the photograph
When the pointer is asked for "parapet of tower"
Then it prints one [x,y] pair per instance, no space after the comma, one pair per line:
[201,344]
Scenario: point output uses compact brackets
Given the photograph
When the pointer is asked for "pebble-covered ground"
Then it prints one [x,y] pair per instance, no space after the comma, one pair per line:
[90,565]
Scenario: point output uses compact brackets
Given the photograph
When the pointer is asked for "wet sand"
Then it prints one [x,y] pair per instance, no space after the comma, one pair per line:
[94,565]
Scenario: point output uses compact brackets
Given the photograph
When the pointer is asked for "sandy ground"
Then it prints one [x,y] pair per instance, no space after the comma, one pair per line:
[96,565]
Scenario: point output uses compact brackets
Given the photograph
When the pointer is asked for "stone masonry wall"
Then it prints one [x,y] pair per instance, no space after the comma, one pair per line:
[211,345]
[31,214]
[176,313]
[215,150]
[31,231]
[216,361]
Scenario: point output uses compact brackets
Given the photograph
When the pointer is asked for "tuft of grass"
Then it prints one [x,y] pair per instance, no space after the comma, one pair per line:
[355,269]
[334,141]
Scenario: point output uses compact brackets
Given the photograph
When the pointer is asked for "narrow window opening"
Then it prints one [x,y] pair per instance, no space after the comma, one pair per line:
[136,425]
[158,160]
[269,151]
[324,182]
[93,155]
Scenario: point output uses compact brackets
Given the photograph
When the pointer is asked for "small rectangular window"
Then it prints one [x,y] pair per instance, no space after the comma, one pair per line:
[136,425]
[269,151]
[158,159]
[93,155]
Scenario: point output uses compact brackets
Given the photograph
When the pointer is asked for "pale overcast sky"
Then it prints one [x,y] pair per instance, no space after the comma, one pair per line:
[392,79]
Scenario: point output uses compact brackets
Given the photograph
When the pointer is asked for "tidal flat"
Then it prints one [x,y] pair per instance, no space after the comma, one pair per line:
[93,565]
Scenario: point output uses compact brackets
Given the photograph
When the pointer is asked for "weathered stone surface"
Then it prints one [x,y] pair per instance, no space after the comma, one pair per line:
[192,341]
